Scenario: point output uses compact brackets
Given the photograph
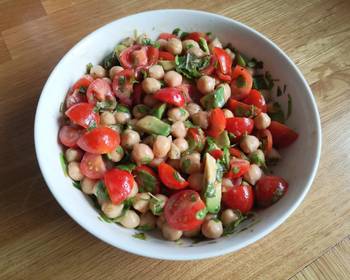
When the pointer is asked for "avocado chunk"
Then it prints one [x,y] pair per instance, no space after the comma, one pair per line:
[158,112]
[223,140]
[167,64]
[153,125]
[214,100]
[212,187]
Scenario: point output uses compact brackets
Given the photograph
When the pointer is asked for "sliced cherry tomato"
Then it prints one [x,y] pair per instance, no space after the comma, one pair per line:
[83,114]
[126,59]
[224,59]
[282,135]
[239,126]
[138,56]
[196,139]
[166,36]
[170,177]
[265,137]
[257,99]
[163,55]
[100,140]
[84,82]
[269,189]
[217,153]
[241,109]
[152,55]
[196,36]
[241,84]
[122,85]
[184,210]
[235,152]
[217,122]
[239,198]
[171,96]
[137,94]
[238,167]
[146,179]
[74,97]
[223,77]
[69,135]
[211,67]
[92,166]
[99,90]
[119,184]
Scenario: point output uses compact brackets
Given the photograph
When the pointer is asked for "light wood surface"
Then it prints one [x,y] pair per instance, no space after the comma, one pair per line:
[38,240]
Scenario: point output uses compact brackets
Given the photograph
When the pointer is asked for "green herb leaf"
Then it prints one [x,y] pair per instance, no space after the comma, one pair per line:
[140,235]
[177,177]
[183,35]
[255,64]
[279,91]
[189,124]
[145,227]
[88,67]
[289,111]
[190,65]
[276,113]
[235,170]
[77,185]
[176,31]
[121,108]
[240,81]
[146,181]
[231,228]
[127,167]
[185,165]
[64,165]
[240,60]
[204,45]
[101,192]
[200,215]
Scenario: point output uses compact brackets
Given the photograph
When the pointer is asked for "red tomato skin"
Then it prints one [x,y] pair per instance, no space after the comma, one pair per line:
[181,210]
[240,92]
[69,135]
[125,58]
[196,36]
[238,167]
[209,70]
[282,135]
[75,97]
[270,189]
[265,137]
[163,55]
[119,184]
[92,166]
[235,152]
[138,56]
[123,92]
[137,94]
[223,77]
[241,109]
[166,36]
[98,90]
[217,154]
[152,55]
[167,176]
[171,96]
[239,126]
[83,114]
[257,99]
[217,122]
[100,140]
[239,197]
[224,59]
[84,82]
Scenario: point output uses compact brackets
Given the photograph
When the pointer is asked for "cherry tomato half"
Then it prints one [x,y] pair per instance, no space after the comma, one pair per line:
[241,109]
[69,135]
[83,114]
[166,36]
[170,177]
[184,210]
[100,140]
[217,122]
[239,126]
[119,184]
[270,189]
[146,179]
[122,85]
[196,139]
[74,97]
[265,137]
[217,153]
[163,55]
[99,90]
[238,167]
[138,56]
[171,96]
[239,197]
[196,36]
[84,82]
[235,152]
[241,84]
[282,135]
[92,166]
[224,59]
[137,94]
[257,99]
[211,67]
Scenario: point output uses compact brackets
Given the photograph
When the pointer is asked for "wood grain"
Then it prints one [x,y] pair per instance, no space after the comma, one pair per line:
[38,240]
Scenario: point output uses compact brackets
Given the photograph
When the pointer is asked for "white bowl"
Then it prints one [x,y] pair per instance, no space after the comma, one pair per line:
[298,166]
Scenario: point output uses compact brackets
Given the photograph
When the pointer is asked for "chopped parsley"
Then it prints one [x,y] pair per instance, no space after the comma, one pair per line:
[235,170]
[101,192]
[140,235]
[64,166]
[77,185]
[186,164]
[127,167]
[190,66]
[176,31]
[240,81]
[88,67]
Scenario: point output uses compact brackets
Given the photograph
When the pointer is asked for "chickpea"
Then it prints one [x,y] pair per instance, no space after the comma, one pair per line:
[215,44]
[115,127]
[262,121]
[130,219]
[72,154]
[114,70]
[170,233]
[127,42]
[107,118]
[148,220]
[160,221]
[192,233]
[196,181]
[116,155]
[228,216]
[122,117]
[257,157]
[201,119]
[227,91]
[162,43]
[97,71]
[206,84]
[74,171]
[212,229]
[178,114]
[130,138]
[134,190]
[174,46]
[193,108]
[191,163]
[228,113]
[178,129]
[253,175]
[149,140]
[161,146]
[142,154]
[88,185]
[187,44]
[172,78]
[197,52]
[150,101]
[141,202]
[249,144]
[230,53]
[226,184]
[150,85]
[174,152]
[175,163]
[156,72]
[181,143]
[157,204]
[108,80]
[112,210]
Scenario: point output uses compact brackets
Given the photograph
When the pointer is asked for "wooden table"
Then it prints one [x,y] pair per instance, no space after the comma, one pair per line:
[38,240]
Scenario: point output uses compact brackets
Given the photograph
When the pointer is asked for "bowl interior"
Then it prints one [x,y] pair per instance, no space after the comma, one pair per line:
[298,165]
